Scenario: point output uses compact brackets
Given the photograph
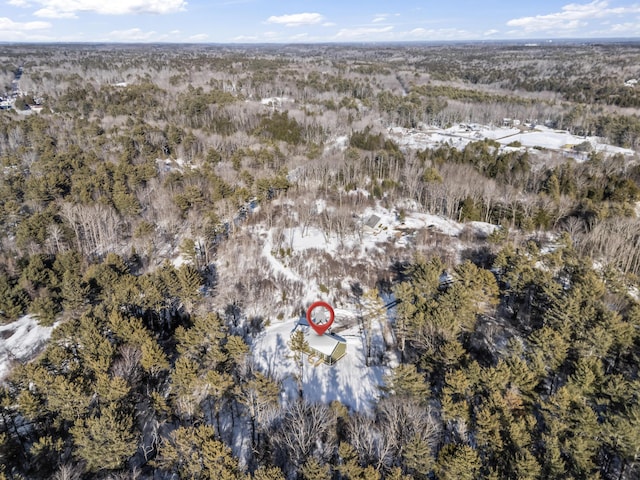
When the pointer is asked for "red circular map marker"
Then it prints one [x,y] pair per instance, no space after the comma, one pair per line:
[320,328]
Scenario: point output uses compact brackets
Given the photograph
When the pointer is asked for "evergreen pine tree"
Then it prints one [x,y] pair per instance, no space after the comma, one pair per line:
[267,473]
[396,474]
[202,342]
[549,351]
[131,330]
[299,346]
[74,292]
[457,462]
[349,466]
[184,379]
[418,457]
[479,285]
[104,441]
[12,299]
[190,283]
[553,464]
[194,453]
[456,395]
[406,381]
[96,351]
[236,349]
[314,470]
[623,436]
[526,467]
[488,429]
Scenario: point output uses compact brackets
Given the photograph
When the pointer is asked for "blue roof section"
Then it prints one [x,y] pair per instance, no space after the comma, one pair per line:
[336,337]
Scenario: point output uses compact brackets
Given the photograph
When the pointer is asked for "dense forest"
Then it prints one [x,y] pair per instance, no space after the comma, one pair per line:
[139,183]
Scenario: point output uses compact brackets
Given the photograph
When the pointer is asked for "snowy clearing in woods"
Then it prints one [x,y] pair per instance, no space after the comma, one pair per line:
[536,137]
[350,380]
[20,340]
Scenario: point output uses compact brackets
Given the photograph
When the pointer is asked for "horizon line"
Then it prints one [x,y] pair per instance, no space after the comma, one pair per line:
[538,41]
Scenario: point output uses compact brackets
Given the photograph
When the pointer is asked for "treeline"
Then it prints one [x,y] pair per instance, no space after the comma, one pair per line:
[597,187]
[582,73]
[197,89]
[112,193]
[51,285]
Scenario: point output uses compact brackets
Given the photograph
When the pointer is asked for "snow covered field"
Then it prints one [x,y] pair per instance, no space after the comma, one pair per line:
[350,381]
[459,136]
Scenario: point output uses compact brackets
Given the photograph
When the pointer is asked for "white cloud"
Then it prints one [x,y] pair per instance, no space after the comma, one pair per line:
[11,31]
[236,2]
[297,19]
[8,25]
[434,34]
[388,34]
[200,37]
[18,3]
[50,13]
[383,17]
[572,17]
[366,33]
[491,32]
[245,38]
[69,8]
[627,28]
[131,35]
[418,32]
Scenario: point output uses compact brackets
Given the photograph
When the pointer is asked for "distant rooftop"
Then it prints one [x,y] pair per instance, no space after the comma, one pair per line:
[372,221]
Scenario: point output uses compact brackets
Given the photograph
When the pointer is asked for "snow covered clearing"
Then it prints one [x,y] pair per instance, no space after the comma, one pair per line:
[21,340]
[459,136]
[349,381]
[275,101]
[293,260]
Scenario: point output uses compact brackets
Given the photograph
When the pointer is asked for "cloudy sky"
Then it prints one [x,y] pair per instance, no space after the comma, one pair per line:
[285,21]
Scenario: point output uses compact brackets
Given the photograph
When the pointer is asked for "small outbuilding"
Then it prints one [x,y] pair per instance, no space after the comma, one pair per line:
[372,222]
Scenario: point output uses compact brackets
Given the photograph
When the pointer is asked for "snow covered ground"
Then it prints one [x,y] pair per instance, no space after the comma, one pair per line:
[350,381]
[459,136]
[390,224]
[276,101]
[20,340]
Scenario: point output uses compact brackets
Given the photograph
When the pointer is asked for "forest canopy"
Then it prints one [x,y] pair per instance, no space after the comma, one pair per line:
[157,206]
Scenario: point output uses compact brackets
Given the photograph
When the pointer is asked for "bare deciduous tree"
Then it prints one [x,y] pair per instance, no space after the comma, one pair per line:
[306,429]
